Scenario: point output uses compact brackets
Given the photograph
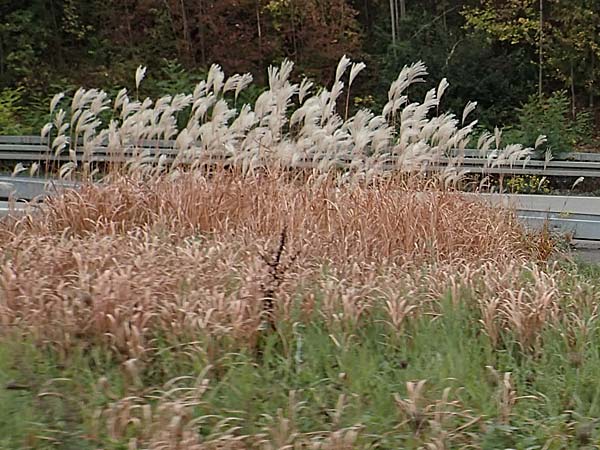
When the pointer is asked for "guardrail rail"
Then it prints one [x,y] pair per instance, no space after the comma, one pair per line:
[577,215]
[31,149]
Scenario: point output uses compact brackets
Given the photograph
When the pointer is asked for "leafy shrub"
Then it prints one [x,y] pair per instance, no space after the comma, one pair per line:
[528,184]
[551,117]
[477,69]
[173,79]
[10,107]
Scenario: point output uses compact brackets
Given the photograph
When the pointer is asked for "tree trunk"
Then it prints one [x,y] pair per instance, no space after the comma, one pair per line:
[57,34]
[444,18]
[402,9]
[294,36]
[202,34]
[259,32]
[540,74]
[368,23]
[129,26]
[593,63]
[172,21]
[393,17]
[572,90]
[1,58]
[186,34]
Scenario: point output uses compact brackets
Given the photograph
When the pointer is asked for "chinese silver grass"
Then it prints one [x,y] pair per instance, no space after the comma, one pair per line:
[288,126]
[215,78]
[140,74]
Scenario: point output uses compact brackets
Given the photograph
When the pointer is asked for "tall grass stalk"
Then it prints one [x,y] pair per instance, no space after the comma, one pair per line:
[290,125]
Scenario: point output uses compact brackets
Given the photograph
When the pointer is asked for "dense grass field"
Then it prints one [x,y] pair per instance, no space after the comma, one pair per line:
[259,307]
[278,312]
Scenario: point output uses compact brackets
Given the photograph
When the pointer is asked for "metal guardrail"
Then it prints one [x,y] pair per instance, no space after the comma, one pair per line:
[8,208]
[29,188]
[35,149]
[579,226]
[20,194]
[578,216]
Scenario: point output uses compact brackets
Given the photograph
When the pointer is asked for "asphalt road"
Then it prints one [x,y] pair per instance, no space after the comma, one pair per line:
[587,251]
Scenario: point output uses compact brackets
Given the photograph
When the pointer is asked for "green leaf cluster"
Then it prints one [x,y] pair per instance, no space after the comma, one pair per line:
[551,116]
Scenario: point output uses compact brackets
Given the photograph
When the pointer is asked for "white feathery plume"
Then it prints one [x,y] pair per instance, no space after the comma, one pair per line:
[18,169]
[34,169]
[76,102]
[140,74]
[121,98]
[305,87]
[442,88]
[468,110]
[243,83]
[498,136]
[541,139]
[577,181]
[46,130]
[355,70]
[341,67]
[55,101]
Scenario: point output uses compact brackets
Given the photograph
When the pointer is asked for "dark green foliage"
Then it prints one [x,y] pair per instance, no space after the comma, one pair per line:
[496,76]
[48,46]
[10,107]
[171,79]
[551,116]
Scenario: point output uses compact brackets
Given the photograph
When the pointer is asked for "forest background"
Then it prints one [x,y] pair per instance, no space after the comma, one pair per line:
[532,65]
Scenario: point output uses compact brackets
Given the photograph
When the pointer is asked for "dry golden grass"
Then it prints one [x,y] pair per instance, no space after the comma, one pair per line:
[124,262]
[388,221]
[208,265]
